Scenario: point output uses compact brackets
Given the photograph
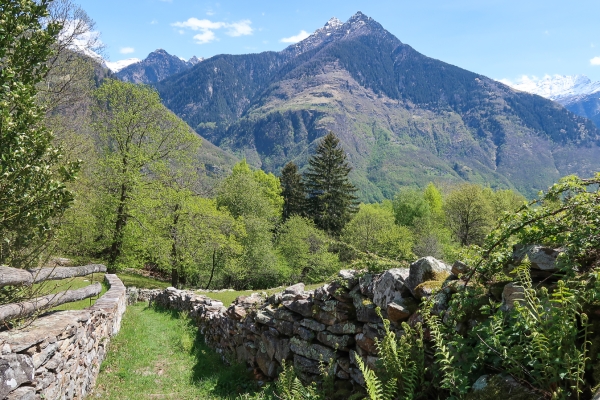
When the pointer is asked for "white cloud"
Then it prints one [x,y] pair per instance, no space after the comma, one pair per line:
[210,13]
[205,37]
[295,39]
[595,61]
[241,28]
[207,28]
[126,50]
[153,22]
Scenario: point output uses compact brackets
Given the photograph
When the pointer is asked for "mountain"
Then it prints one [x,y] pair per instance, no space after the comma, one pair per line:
[402,117]
[157,66]
[576,92]
[116,66]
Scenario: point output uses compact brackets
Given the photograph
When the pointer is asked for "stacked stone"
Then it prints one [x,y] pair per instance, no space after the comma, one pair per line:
[329,324]
[58,356]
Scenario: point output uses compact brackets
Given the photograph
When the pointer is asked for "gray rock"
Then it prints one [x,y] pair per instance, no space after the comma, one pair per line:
[366,284]
[15,370]
[306,365]
[296,289]
[425,269]
[302,307]
[541,257]
[312,324]
[459,268]
[311,351]
[348,277]
[512,292]
[335,341]
[346,328]
[389,286]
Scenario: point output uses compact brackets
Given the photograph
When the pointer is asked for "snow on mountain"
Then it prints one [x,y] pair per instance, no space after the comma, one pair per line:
[116,66]
[561,88]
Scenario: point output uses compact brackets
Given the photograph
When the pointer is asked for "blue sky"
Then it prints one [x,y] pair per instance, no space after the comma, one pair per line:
[500,39]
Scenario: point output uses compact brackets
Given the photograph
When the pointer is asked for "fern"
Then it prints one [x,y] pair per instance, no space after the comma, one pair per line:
[403,364]
[289,387]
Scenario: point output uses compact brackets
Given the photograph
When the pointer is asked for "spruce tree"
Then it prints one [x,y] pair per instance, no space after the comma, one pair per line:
[293,191]
[331,200]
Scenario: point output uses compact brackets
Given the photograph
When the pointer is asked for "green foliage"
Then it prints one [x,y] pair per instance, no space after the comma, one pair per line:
[139,137]
[401,375]
[410,206]
[293,192]
[289,387]
[373,230]
[304,249]
[32,175]
[331,200]
[469,214]
[542,341]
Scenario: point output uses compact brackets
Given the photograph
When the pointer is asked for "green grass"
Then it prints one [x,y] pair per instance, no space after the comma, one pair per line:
[142,282]
[158,355]
[228,297]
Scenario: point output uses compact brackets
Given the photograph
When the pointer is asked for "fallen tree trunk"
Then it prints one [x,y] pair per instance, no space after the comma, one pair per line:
[45,274]
[15,276]
[25,308]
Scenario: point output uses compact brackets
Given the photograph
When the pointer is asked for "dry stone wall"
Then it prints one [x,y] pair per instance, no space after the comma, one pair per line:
[302,327]
[58,356]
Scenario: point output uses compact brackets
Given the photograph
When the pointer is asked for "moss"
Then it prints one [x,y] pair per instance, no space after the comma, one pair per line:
[430,285]
[500,388]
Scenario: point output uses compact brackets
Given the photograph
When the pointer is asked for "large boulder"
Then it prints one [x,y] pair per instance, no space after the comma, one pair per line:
[512,292]
[389,286]
[423,270]
[542,258]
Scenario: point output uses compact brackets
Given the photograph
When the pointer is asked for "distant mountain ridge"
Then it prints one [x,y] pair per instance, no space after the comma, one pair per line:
[576,92]
[402,117]
[157,66]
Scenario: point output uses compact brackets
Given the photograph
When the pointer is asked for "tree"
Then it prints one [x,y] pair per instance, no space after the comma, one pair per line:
[410,205]
[293,191]
[331,200]
[373,230]
[469,214]
[139,136]
[304,249]
[32,180]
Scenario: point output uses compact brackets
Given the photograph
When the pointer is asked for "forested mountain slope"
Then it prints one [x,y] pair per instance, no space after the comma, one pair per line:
[403,118]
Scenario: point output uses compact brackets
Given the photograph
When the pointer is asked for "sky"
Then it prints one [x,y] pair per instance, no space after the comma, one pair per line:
[500,39]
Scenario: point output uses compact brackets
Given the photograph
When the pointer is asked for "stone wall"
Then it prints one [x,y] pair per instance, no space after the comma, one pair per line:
[58,356]
[302,327]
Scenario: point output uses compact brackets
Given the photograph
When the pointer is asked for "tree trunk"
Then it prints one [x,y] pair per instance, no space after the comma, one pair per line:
[117,243]
[25,308]
[174,257]
[212,272]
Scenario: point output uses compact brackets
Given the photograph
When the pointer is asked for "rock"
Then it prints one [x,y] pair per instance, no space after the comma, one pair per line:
[266,365]
[312,324]
[366,343]
[302,307]
[335,341]
[459,268]
[425,269]
[15,370]
[366,284]
[296,289]
[311,351]
[427,289]
[365,309]
[285,314]
[23,393]
[338,292]
[304,364]
[397,313]
[512,292]
[389,286]
[304,333]
[347,328]
[541,257]
[348,277]
[500,387]
[285,327]
[236,312]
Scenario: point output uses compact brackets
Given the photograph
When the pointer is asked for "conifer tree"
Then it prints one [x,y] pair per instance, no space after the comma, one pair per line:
[293,191]
[331,200]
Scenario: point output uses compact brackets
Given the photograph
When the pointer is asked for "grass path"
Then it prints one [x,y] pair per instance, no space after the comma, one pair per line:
[158,355]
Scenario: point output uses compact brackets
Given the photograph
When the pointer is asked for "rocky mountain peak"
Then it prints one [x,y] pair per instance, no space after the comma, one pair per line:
[334,29]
